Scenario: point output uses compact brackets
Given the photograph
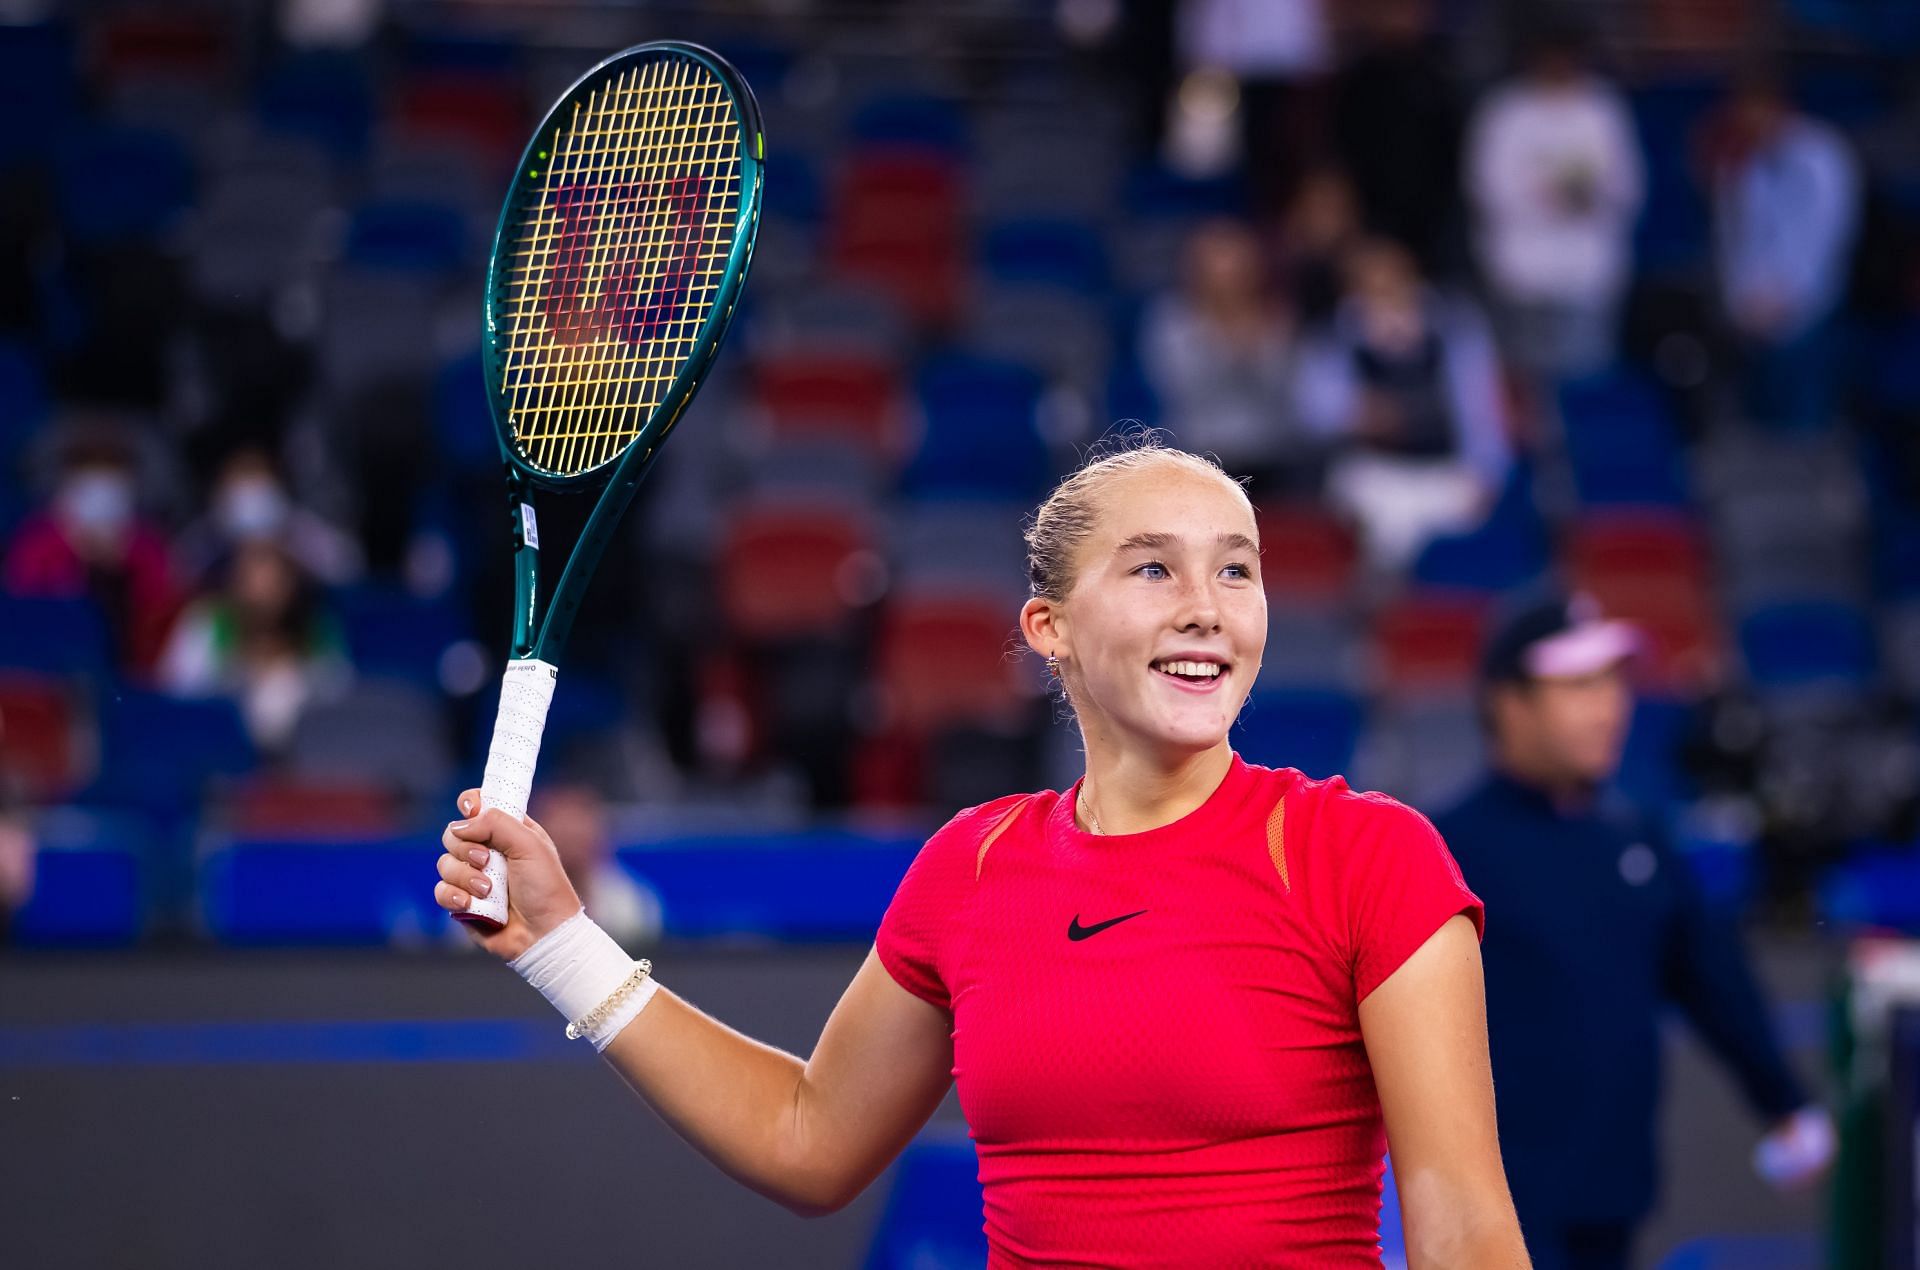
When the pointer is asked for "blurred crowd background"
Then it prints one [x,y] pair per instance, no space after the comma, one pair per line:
[1477,295]
[1474,293]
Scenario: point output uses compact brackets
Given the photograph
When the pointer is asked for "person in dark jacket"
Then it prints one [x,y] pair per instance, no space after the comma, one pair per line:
[1595,925]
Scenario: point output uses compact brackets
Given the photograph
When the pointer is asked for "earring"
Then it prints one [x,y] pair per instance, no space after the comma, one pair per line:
[1053,665]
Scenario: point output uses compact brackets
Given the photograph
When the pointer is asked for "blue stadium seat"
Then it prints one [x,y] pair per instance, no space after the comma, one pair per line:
[981,436]
[257,892]
[87,882]
[56,636]
[462,420]
[933,1217]
[1155,192]
[1314,730]
[1808,644]
[1747,1252]
[1505,553]
[323,97]
[792,187]
[114,184]
[1622,441]
[907,119]
[407,236]
[390,632]
[1061,253]
[39,87]
[157,753]
[813,886]
[1879,886]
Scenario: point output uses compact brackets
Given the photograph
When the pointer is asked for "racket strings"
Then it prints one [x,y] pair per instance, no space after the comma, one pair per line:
[619,261]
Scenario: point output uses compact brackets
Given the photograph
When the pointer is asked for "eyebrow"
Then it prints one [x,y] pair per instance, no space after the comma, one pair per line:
[1162,541]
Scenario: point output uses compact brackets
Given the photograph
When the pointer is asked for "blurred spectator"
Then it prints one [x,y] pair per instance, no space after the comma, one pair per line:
[575,817]
[265,640]
[1218,353]
[90,542]
[1786,202]
[250,503]
[1406,382]
[1396,129]
[1321,225]
[1277,53]
[16,854]
[1554,174]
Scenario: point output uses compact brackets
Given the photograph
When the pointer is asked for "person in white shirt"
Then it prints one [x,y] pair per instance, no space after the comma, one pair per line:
[1554,175]
[1786,208]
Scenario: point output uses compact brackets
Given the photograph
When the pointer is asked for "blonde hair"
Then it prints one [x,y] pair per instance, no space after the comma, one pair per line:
[1064,521]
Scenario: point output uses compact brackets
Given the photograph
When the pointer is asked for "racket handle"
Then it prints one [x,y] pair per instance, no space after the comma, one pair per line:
[525,693]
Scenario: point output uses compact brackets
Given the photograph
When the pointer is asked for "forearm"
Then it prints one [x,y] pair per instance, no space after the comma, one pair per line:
[732,1098]
[1481,1237]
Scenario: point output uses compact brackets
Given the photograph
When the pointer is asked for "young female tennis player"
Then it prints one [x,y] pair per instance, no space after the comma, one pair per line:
[1188,1003]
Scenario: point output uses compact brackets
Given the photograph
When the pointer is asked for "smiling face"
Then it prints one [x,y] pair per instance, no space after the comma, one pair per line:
[1162,629]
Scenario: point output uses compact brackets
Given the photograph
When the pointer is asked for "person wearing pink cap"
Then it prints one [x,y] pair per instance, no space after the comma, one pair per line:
[1601,928]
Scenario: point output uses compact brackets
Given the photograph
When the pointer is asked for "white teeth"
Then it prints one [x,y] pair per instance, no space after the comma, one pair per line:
[1208,669]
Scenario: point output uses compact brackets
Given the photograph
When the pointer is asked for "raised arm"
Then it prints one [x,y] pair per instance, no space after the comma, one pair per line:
[809,1135]
[1425,1029]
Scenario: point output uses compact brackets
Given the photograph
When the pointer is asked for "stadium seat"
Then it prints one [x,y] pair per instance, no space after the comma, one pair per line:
[960,545]
[258,892]
[40,737]
[981,438]
[159,753]
[788,571]
[933,1215]
[387,732]
[152,43]
[1061,253]
[273,805]
[848,396]
[88,881]
[895,224]
[1807,645]
[421,239]
[1505,552]
[321,96]
[1307,555]
[1429,642]
[55,636]
[390,632]
[120,183]
[1314,731]
[1634,546]
[909,122]
[951,659]
[1312,646]
[480,111]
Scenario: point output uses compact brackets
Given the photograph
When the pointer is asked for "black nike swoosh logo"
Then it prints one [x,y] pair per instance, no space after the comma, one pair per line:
[1076,931]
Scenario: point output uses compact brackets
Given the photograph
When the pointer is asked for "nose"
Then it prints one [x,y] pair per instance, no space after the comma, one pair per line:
[1199,608]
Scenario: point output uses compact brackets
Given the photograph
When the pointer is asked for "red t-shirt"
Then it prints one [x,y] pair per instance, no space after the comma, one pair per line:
[1185,1086]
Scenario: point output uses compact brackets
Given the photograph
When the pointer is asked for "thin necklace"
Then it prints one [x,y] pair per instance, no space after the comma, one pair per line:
[1093,821]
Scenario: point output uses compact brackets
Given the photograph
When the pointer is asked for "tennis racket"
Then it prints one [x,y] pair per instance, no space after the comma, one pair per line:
[620,252]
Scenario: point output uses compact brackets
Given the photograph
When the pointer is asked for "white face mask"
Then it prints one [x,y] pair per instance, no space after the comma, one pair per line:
[97,501]
[253,507]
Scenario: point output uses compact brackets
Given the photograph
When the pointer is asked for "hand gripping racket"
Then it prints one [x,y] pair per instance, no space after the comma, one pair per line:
[616,264]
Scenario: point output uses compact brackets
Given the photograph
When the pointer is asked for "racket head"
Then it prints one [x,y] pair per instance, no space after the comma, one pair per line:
[618,258]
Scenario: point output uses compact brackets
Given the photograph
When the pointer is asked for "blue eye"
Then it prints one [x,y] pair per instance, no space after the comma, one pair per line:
[1239,570]
[1152,564]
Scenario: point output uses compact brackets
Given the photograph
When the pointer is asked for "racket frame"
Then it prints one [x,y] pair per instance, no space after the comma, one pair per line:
[540,637]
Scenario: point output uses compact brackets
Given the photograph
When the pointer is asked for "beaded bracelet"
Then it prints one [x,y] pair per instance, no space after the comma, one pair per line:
[586,1023]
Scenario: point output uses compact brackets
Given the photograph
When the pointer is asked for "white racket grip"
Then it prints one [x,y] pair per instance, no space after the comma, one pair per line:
[526,691]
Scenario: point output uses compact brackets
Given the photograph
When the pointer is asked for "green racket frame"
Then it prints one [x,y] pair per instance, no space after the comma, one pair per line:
[542,639]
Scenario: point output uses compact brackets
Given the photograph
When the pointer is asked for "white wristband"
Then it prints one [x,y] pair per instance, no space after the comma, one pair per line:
[577,966]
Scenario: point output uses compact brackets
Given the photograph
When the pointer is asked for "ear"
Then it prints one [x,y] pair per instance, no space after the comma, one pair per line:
[1043,625]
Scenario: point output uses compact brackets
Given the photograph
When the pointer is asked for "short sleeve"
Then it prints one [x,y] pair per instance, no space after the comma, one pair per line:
[920,919]
[1402,885]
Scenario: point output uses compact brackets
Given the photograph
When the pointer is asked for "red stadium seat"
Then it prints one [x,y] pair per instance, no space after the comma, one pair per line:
[897,223]
[290,806]
[1638,545]
[153,43]
[847,397]
[39,737]
[788,571]
[949,659]
[1307,554]
[1429,642]
[474,110]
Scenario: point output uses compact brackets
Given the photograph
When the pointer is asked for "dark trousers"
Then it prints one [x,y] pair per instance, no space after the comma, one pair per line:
[1580,1245]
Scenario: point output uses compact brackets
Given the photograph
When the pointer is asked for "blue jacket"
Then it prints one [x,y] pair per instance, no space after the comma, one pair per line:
[1593,924]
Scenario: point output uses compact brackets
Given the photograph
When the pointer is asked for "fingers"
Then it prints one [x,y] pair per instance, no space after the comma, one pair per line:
[467,840]
[462,877]
[469,802]
[451,898]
